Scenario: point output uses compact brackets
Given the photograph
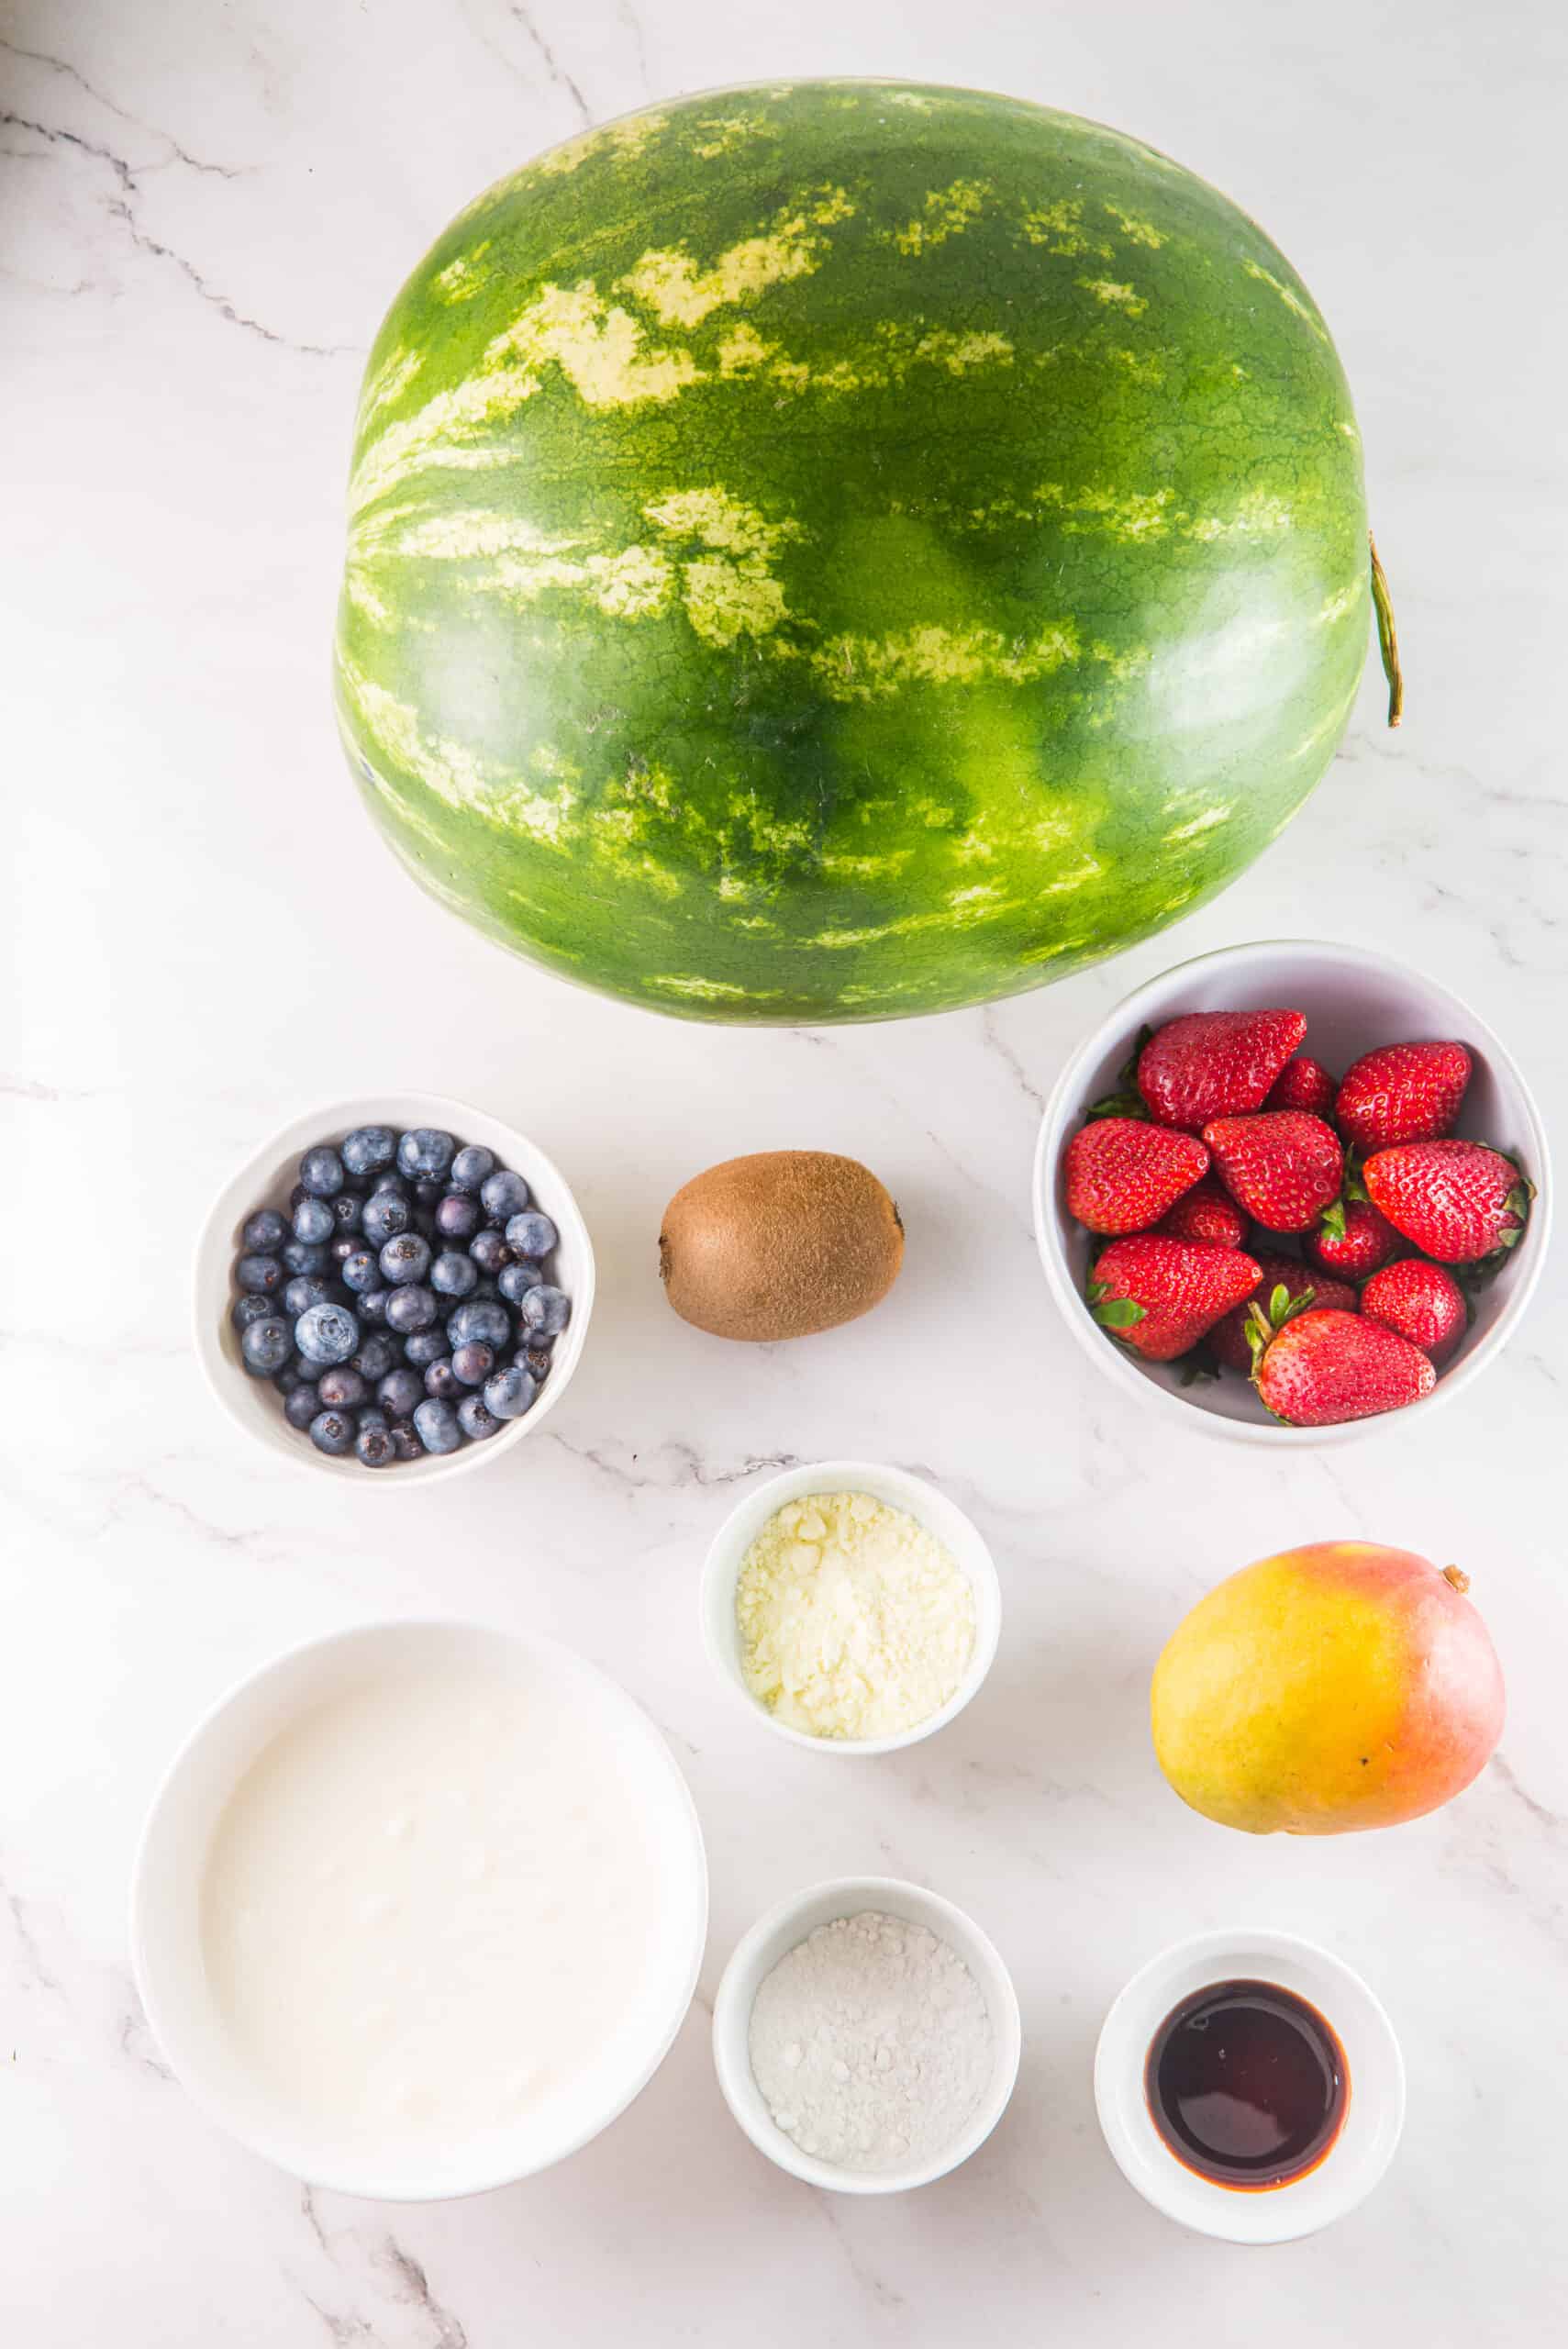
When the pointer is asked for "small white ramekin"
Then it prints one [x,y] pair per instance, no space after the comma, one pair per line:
[165,1919]
[1353,1001]
[1374,2113]
[959,1534]
[772,1937]
[265,1181]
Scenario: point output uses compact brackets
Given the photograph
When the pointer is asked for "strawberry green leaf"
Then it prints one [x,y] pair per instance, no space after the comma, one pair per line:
[1332,1220]
[1119,1313]
[1118,1105]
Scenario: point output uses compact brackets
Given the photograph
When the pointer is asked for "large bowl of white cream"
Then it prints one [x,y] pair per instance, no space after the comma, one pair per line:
[419,1908]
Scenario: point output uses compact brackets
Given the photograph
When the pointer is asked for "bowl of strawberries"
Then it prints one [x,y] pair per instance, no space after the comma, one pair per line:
[1295,1187]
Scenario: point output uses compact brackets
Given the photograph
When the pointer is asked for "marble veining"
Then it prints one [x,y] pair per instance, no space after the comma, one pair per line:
[202,214]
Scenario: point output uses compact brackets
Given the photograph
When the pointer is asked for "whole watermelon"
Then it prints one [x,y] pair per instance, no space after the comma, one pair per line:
[839,550]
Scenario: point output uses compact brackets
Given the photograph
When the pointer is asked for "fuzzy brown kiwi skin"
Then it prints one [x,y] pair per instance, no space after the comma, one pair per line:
[780,1244]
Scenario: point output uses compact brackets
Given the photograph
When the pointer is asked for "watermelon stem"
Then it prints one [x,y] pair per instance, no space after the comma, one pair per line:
[1387,636]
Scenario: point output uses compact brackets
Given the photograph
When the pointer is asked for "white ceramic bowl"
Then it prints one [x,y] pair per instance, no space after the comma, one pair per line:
[772,1937]
[265,1181]
[959,1534]
[1374,2113]
[1353,1001]
[165,1936]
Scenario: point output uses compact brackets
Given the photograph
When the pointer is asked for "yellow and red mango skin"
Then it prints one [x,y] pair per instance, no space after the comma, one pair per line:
[1334,1686]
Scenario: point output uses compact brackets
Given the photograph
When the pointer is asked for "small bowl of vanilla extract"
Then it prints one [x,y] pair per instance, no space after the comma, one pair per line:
[1250,2086]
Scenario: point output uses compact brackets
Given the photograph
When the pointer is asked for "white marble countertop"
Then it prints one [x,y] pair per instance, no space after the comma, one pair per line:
[204,211]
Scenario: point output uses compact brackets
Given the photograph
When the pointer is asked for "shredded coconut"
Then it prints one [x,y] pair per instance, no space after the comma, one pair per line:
[854,1620]
[872,2043]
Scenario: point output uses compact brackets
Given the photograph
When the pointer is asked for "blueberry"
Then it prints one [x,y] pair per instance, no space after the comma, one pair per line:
[341,1388]
[404,1259]
[453,1275]
[391,1181]
[333,1433]
[373,1447]
[508,1394]
[485,1289]
[545,1311]
[326,1333]
[312,1220]
[368,1149]
[475,1420]
[373,1416]
[370,1304]
[301,1404]
[298,1193]
[361,1271]
[427,1151]
[531,1234]
[289,1376]
[503,1193]
[490,1324]
[425,1347]
[251,1307]
[263,1276]
[441,1380]
[263,1234]
[266,1346]
[489,1249]
[429,1193]
[346,1209]
[376,1356]
[305,1290]
[386,1214]
[513,1280]
[346,1245]
[408,1308]
[404,1443]
[305,1256]
[321,1171]
[457,1217]
[535,1360]
[471,1166]
[472,1364]
[400,1392]
[437,1427]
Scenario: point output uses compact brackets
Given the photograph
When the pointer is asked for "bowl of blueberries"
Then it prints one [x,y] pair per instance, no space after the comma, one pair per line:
[401,1282]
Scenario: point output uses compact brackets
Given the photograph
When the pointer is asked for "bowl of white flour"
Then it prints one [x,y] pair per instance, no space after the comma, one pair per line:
[866,2036]
[853,1606]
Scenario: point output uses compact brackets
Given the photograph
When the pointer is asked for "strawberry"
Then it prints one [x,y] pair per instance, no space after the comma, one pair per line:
[1159,1295]
[1303,1084]
[1206,1212]
[1421,1301]
[1229,1337]
[1284,1167]
[1456,1200]
[1122,1172]
[1402,1092]
[1353,1239]
[1215,1063]
[1322,1368]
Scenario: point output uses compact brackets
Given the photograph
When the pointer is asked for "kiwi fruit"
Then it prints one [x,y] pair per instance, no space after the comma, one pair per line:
[779,1245]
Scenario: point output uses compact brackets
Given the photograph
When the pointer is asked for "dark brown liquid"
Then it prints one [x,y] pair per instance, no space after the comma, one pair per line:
[1247,2084]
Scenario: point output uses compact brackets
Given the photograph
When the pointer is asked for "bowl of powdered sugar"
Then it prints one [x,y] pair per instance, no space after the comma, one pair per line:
[853,1606]
[866,2036]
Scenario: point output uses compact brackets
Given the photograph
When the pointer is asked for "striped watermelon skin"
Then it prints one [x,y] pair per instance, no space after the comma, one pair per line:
[846,549]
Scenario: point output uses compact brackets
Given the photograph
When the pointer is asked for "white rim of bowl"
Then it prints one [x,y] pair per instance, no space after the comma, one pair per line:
[212,2106]
[219,1371]
[1116,1366]
[723,1563]
[1222,1947]
[731,2027]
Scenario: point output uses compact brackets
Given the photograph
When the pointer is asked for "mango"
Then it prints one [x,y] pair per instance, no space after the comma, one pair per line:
[1335,1686]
